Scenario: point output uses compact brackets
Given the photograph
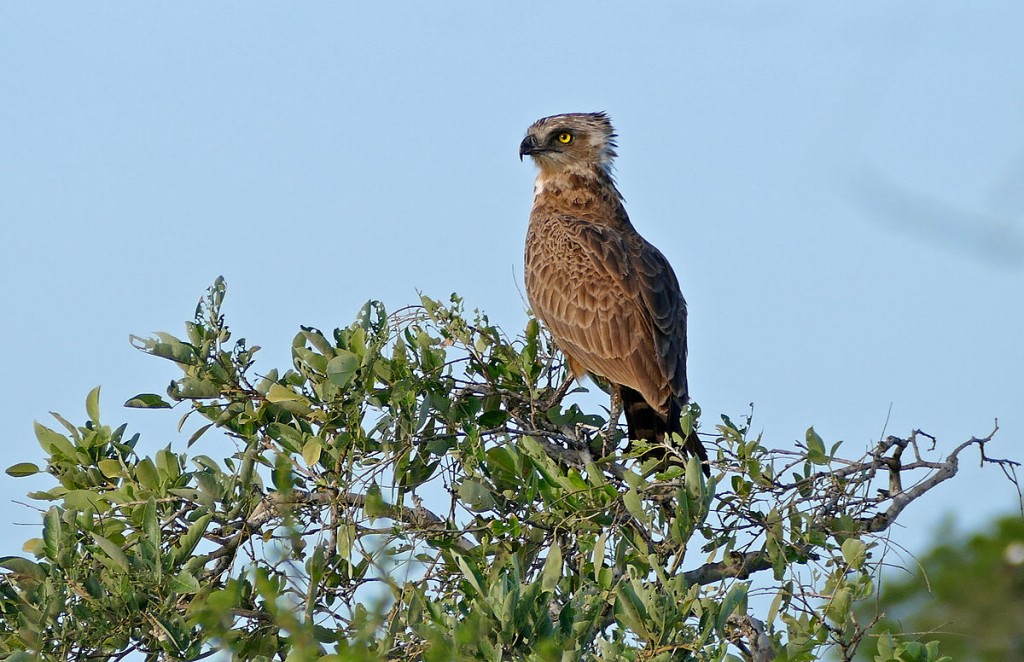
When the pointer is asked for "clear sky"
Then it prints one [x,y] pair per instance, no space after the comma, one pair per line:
[839,188]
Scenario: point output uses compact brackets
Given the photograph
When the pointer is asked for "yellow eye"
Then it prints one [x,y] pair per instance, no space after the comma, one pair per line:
[565,137]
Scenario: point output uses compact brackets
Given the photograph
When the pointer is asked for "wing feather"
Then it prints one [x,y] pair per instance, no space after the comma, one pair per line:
[664,300]
[612,303]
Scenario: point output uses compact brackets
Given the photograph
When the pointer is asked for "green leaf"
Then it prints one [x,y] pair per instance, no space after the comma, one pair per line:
[815,448]
[290,439]
[152,533]
[283,473]
[193,388]
[493,419]
[694,477]
[151,523]
[599,553]
[145,473]
[735,601]
[83,499]
[630,608]
[373,504]
[315,570]
[342,367]
[72,430]
[631,499]
[317,340]
[346,538]
[885,646]
[52,533]
[471,574]
[23,567]
[113,552]
[92,405]
[634,480]
[854,552]
[475,495]
[188,542]
[838,609]
[416,471]
[278,393]
[167,465]
[198,433]
[311,451]
[552,571]
[171,349]
[914,649]
[173,635]
[315,361]
[110,468]
[22,469]
[184,583]
[34,546]
[54,443]
[147,401]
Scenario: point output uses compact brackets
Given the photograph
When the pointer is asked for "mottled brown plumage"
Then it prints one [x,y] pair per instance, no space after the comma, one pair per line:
[609,298]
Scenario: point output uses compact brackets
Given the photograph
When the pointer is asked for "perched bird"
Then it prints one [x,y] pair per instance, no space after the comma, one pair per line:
[609,298]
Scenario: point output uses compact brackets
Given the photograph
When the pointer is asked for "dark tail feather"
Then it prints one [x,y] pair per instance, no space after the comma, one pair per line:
[643,422]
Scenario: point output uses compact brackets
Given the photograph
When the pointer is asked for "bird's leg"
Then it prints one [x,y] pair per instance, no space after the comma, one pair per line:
[612,427]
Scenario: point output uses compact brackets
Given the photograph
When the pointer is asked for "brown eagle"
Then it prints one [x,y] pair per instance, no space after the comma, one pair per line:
[609,298]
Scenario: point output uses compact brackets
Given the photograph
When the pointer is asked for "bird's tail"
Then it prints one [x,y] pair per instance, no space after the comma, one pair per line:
[645,423]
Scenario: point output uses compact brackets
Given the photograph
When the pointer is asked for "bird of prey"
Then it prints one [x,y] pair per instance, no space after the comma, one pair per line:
[609,298]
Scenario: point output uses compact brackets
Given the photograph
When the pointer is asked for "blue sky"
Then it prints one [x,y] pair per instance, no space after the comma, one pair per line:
[839,188]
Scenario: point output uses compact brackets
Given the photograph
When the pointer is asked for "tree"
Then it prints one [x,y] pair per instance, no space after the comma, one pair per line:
[416,487]
[967,592]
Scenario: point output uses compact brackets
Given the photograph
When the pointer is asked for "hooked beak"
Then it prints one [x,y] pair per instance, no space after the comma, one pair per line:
[529,147]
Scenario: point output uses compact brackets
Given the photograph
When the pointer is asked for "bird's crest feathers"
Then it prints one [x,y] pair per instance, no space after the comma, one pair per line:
[571,141]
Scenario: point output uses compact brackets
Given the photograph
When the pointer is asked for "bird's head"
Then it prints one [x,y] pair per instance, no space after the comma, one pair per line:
[570,141]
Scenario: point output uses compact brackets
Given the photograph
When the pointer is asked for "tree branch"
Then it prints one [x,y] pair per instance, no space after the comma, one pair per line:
[275,505]
[943,472]
[739,565]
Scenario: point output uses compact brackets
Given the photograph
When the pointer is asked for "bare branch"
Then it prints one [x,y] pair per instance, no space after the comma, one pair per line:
[943,471]
[739,565]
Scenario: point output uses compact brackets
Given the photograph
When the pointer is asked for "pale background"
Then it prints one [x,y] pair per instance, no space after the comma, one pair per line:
[840,189]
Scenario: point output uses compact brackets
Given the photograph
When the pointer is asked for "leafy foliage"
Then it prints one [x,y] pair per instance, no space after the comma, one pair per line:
[967,592]
[415,487]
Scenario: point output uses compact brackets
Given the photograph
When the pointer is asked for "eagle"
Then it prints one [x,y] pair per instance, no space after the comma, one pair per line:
[609,299]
